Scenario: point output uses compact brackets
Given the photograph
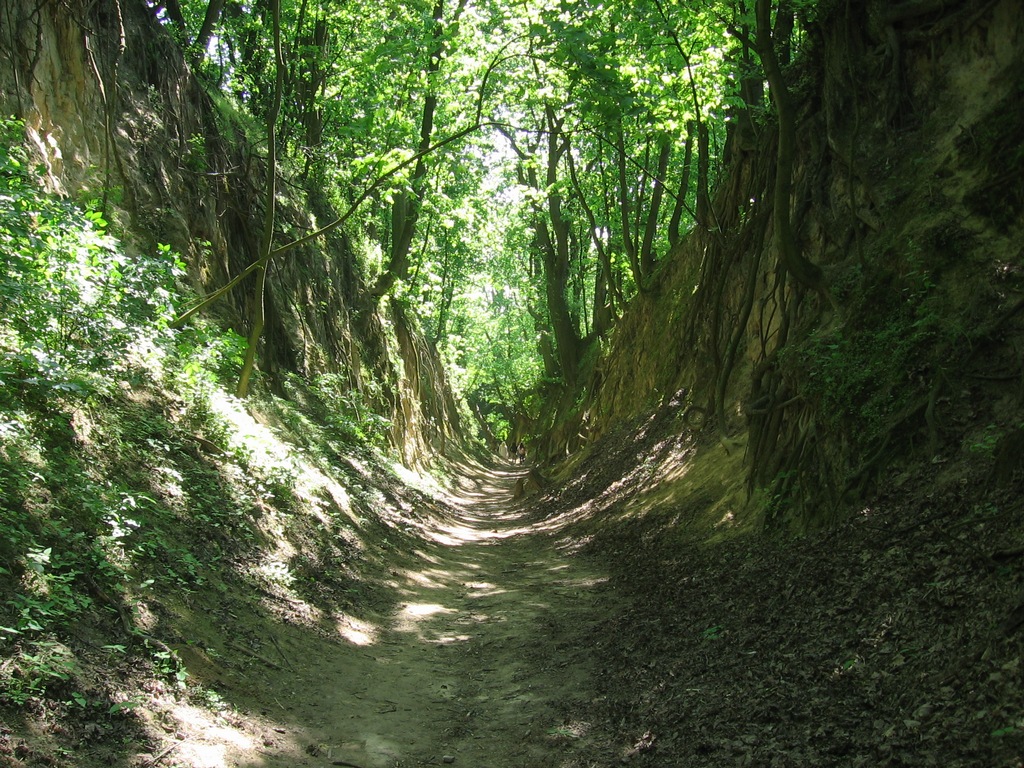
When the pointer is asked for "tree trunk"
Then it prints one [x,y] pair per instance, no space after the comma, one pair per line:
[604,285]
[173,9]
[647,255]
[267,240]
[674,235]
[625,209]
[213,11]
[803,271]
[751,96]
[405,212]
[551,241]
[703,214]
[604,311]
[783,32]
[557,255]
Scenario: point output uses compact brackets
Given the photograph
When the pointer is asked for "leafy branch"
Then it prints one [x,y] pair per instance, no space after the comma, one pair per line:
[262,262]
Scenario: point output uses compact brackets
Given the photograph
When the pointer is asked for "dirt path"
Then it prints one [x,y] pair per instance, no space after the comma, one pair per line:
[488,651]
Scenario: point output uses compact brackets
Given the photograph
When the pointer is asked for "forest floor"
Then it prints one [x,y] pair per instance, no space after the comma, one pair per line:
[599,621]
[486,652]
[473,646]
[893,637]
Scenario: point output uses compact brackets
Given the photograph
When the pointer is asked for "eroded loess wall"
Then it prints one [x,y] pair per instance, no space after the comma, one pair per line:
[907,194]
[114,113]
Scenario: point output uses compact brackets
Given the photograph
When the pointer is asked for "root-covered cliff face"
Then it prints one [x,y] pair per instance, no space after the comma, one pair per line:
[117,119]
[188,580]
[905,194]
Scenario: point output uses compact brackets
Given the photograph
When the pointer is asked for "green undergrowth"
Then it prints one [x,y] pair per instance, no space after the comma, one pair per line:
[865,373]
[132,482]
[918,363]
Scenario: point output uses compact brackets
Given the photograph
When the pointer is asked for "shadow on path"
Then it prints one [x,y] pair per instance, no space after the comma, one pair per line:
[486,653]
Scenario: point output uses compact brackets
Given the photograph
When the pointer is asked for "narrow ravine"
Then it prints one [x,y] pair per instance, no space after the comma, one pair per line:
[483,662]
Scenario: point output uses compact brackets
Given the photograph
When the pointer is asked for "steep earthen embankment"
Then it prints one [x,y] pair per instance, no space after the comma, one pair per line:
[118,119]
[908,136]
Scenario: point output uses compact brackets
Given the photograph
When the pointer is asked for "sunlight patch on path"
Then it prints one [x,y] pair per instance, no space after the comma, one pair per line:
[481,657]
[205,741]
[356,631]
[414,617]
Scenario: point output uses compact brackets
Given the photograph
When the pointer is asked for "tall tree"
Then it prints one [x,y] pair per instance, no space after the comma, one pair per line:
[539,170]
[795,263]
[258,313]
[611,110]
[405,211]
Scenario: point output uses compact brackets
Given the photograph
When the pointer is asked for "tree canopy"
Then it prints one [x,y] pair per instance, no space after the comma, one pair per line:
[514,173]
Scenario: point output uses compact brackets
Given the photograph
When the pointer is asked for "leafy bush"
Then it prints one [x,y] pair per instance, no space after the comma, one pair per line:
[866,375]
[351,410]
[77,314]
[72,302]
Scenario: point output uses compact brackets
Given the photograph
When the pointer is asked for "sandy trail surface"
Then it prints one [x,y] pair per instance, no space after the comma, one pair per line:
[481,662]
